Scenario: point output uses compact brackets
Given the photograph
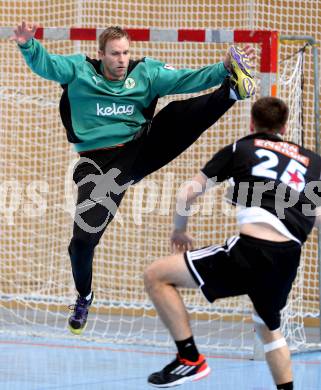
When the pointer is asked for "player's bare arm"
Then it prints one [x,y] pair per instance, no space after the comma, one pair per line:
[180,239]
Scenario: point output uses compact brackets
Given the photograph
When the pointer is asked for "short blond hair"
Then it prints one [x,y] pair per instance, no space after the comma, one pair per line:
[110,33]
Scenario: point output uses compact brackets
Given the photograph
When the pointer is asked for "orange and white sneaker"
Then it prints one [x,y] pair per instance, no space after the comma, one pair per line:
[180,371]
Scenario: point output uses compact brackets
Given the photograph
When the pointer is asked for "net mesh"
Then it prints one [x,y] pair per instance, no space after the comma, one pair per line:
[36,189]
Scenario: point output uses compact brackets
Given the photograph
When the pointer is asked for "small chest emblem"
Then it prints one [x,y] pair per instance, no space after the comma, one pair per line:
[130,83]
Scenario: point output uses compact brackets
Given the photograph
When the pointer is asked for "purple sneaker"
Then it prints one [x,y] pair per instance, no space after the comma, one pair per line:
[78,320]
[242,79]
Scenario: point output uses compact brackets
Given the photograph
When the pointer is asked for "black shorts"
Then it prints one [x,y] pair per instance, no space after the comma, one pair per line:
[264,270]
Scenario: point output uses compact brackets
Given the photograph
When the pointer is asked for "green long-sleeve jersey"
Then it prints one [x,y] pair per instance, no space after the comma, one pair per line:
[98,112]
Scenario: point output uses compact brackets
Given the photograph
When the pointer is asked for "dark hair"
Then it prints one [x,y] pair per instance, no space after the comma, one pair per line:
[110,33]
[269,114]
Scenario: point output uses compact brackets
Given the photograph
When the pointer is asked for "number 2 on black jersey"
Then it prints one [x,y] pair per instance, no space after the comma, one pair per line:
[293,175]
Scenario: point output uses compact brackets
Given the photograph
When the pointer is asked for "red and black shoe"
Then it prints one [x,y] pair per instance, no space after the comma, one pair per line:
[180,371]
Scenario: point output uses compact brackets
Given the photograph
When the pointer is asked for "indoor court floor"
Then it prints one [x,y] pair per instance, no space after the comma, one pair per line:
[33,363]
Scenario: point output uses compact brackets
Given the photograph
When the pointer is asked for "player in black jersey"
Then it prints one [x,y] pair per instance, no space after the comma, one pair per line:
[276,193]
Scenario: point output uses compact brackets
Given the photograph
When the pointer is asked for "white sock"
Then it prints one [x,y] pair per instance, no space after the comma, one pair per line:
[233,94]
[88,297]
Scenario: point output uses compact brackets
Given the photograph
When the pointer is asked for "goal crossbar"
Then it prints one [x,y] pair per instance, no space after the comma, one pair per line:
[268,40]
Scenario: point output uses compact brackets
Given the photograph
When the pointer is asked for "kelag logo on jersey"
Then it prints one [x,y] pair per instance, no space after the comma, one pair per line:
[115,109]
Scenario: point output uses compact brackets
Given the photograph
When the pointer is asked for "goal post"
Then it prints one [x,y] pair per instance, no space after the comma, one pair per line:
[298,84]
[309,42]
[36,282]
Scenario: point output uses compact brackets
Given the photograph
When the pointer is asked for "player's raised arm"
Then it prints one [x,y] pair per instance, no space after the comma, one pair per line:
[237,64]
[59,68]
[23,33]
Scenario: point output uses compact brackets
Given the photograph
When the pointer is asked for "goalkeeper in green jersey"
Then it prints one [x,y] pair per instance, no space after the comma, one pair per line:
[107,108]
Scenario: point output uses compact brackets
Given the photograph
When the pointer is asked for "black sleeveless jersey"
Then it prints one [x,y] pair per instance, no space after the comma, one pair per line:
[278,176]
